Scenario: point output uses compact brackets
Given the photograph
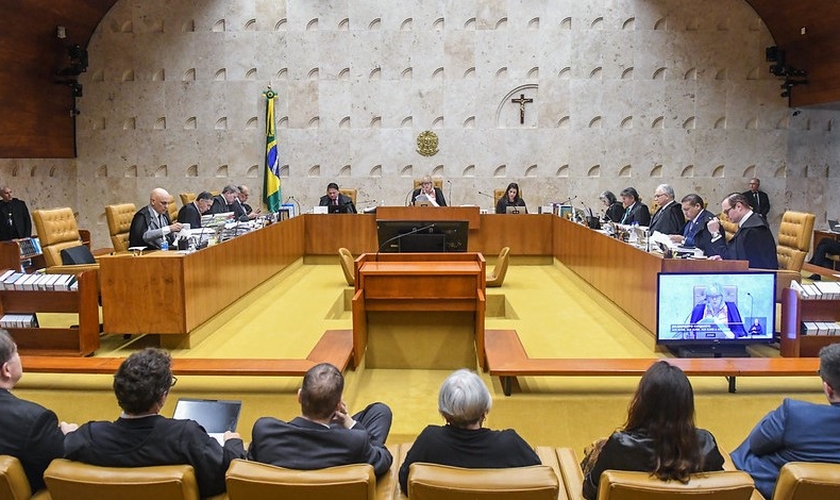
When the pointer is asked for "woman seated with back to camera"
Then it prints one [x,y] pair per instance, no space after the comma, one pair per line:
[511,199]
[659,436]
[614,208]
[464,402]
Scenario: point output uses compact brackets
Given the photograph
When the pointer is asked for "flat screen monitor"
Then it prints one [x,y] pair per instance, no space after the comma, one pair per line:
[715,314]
[422,236]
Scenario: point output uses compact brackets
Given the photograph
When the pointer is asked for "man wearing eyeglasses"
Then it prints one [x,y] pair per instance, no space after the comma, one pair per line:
[669,218]
[753,241]
[796,431]
[142,437]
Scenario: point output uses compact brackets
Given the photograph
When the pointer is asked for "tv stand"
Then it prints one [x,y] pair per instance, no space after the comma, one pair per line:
[711,351]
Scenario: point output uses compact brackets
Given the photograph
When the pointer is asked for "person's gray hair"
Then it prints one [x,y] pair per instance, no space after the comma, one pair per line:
[667,189]
[830,365]
[230,188]
[714,290]
[7,346]
[463,399]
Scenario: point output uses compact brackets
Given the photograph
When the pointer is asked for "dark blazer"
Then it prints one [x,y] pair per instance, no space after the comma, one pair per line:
[796,431]
[615,212]
[439,199]
[503,203]
[733,317]
[29,432]
[220,206]
[305,445]
[761,199]
[702,236]
[16,211]
[189,214]
[753,242]
[638,213]
[633,451]
[669,219]
[155,440]
[345,204]
[143,222]
[479,449]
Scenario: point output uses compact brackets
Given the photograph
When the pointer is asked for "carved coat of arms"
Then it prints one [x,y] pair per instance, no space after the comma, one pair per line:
[427,143]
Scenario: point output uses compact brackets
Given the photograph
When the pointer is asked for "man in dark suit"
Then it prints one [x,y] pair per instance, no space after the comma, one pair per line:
[28,431]
[338,203]
[325,435]
[753,242]
[796,431]
[191,212]
[228,202]
[669,218]
[141,437]
[634,209]
[14,217]
[244,194]
[695,233]
[151,226]
[759,201]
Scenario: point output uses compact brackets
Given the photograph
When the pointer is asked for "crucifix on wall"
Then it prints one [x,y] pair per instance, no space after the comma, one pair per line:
[521,101]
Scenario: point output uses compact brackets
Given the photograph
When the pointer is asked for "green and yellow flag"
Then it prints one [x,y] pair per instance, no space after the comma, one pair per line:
[271,184]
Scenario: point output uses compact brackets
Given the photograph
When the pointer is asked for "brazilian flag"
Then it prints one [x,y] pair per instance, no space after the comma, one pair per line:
[271,184]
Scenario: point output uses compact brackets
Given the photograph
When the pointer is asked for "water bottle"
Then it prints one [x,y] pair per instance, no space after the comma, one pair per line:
[165,245]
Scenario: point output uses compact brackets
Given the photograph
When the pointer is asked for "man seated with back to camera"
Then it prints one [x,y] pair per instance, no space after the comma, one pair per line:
[796,431]
[191,212]
[753,241]
[511,198]
[325,435]
[464,402]
[337,202]
[141,437]
[715,311]
[151,226]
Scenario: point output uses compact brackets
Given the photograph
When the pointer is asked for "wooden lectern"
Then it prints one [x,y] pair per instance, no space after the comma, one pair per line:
[419,310]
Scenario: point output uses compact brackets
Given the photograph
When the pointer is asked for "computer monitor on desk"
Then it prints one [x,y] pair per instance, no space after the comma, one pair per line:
[422,236]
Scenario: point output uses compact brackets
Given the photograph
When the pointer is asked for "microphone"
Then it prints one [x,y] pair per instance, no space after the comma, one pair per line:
[752,299]
[400,236]
[487,195]
[449,194]
[367,201]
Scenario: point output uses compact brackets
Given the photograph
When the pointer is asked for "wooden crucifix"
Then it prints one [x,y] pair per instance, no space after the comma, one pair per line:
[521,101]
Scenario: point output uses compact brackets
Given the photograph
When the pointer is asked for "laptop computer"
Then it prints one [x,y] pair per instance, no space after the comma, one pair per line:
[215,415]
[833,226]
[516,210]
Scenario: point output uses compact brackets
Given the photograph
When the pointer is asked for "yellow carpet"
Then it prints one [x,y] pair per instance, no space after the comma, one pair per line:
[555,313]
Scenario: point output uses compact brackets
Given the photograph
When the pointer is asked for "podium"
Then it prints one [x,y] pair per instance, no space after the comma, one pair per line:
[419,310]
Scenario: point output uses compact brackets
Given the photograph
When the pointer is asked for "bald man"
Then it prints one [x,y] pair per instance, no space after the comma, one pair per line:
[151,226]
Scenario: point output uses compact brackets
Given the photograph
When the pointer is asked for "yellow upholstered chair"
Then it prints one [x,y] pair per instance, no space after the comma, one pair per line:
[498,194]
[794,239]
[497,277]
[624,485]
[350,192]
[68,480]
[57,230]
[119,223]
[187,198]
[257,481]
[347,265]
[808,481]
[442,482]
[438,183]
[173,210]
[13,482]
[729,227]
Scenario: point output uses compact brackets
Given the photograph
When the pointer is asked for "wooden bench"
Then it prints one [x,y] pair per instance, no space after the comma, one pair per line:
[507,359]
[335,347]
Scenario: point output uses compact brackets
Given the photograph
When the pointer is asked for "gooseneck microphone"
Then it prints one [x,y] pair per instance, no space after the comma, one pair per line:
[400,236]
[449,194]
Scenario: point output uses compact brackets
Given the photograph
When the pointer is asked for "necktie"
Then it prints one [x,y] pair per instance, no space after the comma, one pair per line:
[335,202]
[626,215]
[689,234]
[757,207]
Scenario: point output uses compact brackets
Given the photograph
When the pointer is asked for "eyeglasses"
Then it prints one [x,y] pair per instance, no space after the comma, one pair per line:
[726,211]
[658,195]
[174,381]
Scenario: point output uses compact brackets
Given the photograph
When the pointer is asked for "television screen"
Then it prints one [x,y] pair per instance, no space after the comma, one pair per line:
[422,236]
[715,309]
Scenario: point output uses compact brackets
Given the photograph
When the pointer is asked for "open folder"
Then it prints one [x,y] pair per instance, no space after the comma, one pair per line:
[215,415]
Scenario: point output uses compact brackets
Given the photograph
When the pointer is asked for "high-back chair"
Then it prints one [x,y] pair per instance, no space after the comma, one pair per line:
[349,192]
[729,227]
[13,482]
[442,482]
[119,223]
[794,239]
[187,198]
[808,481]
[69,480]
[173,210]
[256,481]
[497,277]
[347,265]
[57,231]
[436,182]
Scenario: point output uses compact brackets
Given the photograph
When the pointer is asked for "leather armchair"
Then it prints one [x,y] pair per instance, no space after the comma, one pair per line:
[351,192]
[442,482]
[436,182]
[119,223]
[13,482]
[256,481]
[57,230]
[624,485]
[497,277]
[347,265]
[69,480]
[808,481]
[794,239]
[173,210]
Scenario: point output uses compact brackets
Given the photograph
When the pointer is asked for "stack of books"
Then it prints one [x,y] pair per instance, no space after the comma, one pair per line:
[13,280]
[19,321]
[819,290]
[820,328]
